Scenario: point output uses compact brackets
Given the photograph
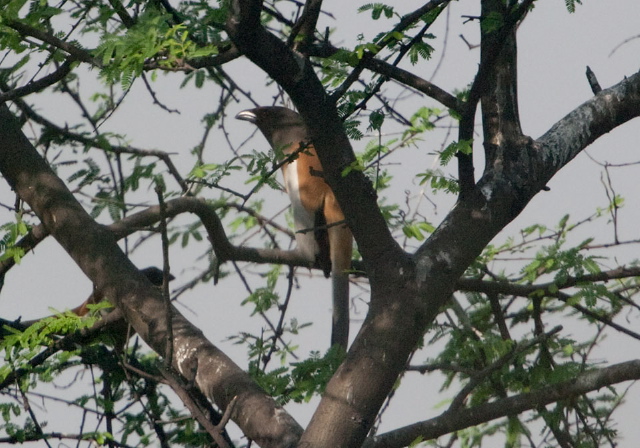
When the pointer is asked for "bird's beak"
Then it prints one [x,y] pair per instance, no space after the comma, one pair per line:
[247,115]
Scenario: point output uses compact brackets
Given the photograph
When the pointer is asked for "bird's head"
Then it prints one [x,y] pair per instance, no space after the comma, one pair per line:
[155,275]
[281,126]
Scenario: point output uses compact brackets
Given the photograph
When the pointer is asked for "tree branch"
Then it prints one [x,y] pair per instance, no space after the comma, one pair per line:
[102,145]
[220,243]
[478,377]
[77,53]
[465,418]
[403,76]
[38,85]
[387,39]
[96,252]
[498,287]
[546,290]
[127,20]
[582,126]
[420,84]
[359,387]
[305,26]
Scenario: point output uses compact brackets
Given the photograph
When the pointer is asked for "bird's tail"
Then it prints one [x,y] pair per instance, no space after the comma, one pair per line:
[340,240]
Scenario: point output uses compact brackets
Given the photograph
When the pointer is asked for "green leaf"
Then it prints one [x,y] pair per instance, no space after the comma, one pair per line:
[377,9]
[376,118]
[462,146]
[571,5]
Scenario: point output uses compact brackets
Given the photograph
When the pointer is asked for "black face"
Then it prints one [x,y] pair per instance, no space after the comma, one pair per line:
[155,275]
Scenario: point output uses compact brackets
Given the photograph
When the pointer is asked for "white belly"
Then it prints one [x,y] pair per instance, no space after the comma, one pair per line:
[304,220]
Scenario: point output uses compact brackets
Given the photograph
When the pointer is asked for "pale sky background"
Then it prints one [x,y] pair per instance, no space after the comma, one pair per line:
[554,49]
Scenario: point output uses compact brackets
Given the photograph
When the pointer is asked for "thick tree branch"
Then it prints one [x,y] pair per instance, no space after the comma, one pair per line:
[358,389]
[386,338]
[510,20]
[465,418]
[496,84]
[96,252]
[500,115]
[220,243]
[206,212]
[503,191]
[303,31]
[468,284]
[599,115]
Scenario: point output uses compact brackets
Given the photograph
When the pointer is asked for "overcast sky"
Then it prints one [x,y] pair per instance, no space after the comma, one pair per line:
[554,49]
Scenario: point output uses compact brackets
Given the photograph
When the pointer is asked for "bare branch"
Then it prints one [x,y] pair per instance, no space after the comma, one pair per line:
[409,79]
[547,291]
[389,38]
[403,76]
[38,85]
[77,53]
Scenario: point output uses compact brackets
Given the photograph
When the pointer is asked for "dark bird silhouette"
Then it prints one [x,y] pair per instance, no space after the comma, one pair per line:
[322,237]
[154,275]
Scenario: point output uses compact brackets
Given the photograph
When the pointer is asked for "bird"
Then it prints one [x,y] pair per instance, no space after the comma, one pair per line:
[322,236]
[155,276]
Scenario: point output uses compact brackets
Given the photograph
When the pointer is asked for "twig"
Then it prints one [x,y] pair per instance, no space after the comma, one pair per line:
[613,203]
[155,97]
[79,54]
[279,329]
[38,85]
